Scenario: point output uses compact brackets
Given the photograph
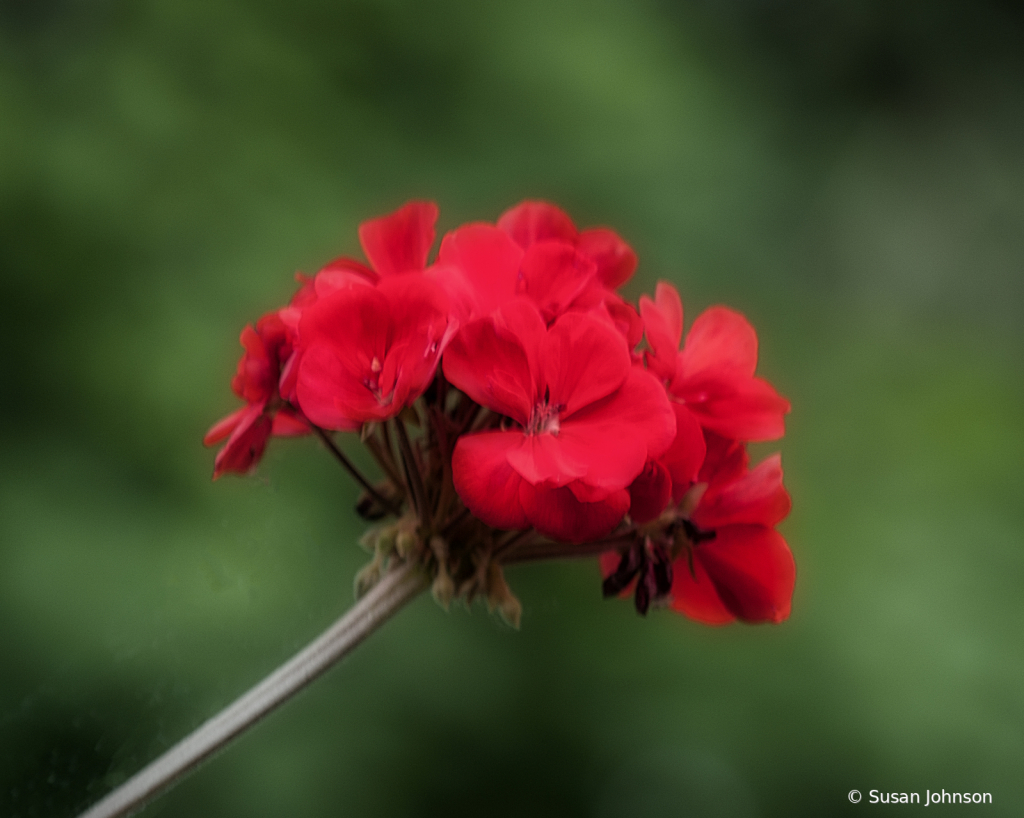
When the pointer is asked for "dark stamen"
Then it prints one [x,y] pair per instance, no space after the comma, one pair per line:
[629,564]
[697,535]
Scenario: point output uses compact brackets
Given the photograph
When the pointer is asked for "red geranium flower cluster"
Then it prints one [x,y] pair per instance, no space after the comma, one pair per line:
[506,392]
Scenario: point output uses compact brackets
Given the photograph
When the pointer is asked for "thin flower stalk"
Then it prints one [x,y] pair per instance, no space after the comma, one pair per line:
[395,589]
[350,467]
[383,456]
[413,469]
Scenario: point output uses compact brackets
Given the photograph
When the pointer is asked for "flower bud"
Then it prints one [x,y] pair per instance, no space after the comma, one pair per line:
[386,540]
[443,589]
[405,543]
[500,597]
[439,548]
[368,542]
[511,610]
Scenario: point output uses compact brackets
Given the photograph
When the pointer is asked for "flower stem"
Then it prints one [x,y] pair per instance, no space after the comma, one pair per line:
[384,459]
[412,470]
[358,475]
[527,551]
[517,540]
[395,589]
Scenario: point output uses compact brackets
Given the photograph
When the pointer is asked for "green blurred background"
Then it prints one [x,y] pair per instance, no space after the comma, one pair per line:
[850,175]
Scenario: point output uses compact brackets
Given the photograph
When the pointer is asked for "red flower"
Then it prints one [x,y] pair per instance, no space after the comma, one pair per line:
[587,422]
[488,270]
[737,566]
[480,267]
[579,429]
[536,252]
[367,352]
[267,349]
[731,563]
[396,243]
[400,241]
[532,221]
[713,375]
[672,474]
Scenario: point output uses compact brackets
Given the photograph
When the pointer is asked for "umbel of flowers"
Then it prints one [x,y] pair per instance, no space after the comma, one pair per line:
[520,409]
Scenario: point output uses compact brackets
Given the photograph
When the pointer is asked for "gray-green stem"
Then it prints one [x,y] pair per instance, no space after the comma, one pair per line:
[394,590]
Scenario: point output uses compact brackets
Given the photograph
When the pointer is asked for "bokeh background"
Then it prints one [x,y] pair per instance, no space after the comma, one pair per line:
[848,174]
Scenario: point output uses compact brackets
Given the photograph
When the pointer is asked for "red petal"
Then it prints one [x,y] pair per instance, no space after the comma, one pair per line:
[341,274]
[348,266]
[289,424]
[488,259]
[245,446]
[757,498]
[485,481]
[586,493]
[741,408]
[339,337]
[306,294]
[615,259]
[663,323]
[488,363]
[583,360]
[726,459]
[331,395]
[272,330]
[686,454]
[626,319]
[609,561]
[418,315]
[615,437]
[557,513]
[355,320]
[533,221]
[649,493]
[459,292]
[401,240]
[256,375]
[542,459]
[752,570]
[721,343]
[224,427]
[695,596]
[670,305]
[288,381]
[554,274]
[521,317]
[366,351]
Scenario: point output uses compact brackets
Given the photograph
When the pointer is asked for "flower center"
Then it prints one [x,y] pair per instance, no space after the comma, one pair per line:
[544,419]
[373,384]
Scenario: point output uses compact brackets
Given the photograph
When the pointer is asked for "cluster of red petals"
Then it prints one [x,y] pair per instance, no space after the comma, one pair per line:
[586,428]
[746,570]
[733,564]
[370,343]
[367,352]
[713,374]
[358,342]
[584,421]
[269,349]
[535,252]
